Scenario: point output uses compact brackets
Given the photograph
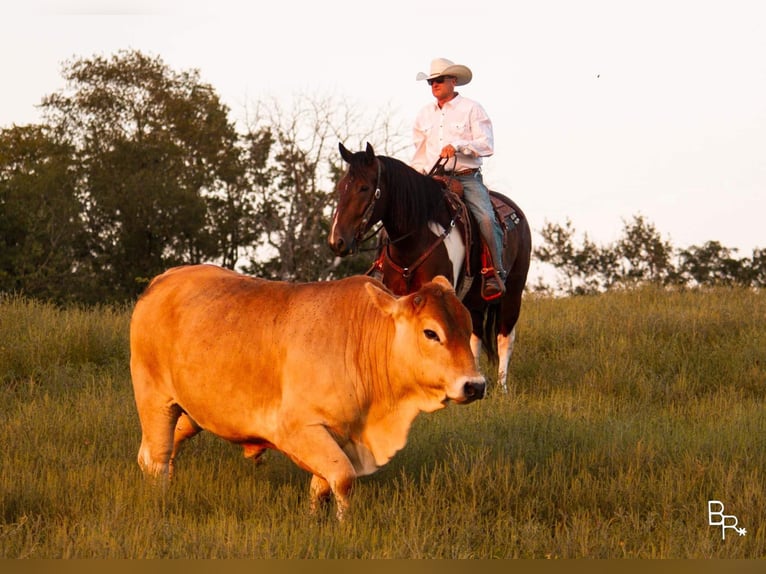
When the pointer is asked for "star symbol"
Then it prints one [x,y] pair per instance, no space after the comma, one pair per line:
[742,531]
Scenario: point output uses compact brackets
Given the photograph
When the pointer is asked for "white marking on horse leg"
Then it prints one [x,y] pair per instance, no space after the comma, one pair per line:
[505,345]
[455,249]
[476,349]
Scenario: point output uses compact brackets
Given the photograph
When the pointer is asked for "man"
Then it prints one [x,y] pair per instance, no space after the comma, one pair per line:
[458,128]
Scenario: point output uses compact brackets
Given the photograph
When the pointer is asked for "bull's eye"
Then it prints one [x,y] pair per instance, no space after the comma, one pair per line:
[431,335]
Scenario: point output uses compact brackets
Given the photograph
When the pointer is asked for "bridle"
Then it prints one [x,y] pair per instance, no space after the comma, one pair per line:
[359,235]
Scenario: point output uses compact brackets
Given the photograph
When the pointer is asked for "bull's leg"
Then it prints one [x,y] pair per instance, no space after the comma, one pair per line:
[314,449]
[253,451]
[320,492]
[185,429]
[505,345]
[158,422]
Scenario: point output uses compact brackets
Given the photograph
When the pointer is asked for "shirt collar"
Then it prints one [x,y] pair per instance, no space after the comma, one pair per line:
[451,103]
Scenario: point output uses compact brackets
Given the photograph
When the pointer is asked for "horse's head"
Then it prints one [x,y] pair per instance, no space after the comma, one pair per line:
[358,191]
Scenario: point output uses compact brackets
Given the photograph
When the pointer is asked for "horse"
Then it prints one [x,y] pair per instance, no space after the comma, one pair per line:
[428,232]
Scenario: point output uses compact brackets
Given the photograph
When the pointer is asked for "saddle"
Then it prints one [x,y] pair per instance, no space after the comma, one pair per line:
[505,215]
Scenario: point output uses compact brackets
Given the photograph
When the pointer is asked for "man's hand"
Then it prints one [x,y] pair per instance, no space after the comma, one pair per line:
[447,151]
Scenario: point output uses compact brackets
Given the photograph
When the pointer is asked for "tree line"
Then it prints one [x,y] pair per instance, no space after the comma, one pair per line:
[640,256]
[136,168]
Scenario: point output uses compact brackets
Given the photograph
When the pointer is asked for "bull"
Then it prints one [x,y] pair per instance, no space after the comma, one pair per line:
[330,373]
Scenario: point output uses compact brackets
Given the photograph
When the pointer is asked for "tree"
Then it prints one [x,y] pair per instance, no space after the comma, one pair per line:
[295,199]
[580,266]
[639,257]
[646,257]
[712,264]
[41,234]
[161,177]
[757,268]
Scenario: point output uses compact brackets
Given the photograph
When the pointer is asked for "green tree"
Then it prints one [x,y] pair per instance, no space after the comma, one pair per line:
[41,233]
[582,267]
[638,256]
[154,174]
[712,264]
[161,174]
[757,268]
[641,256]
[645,257]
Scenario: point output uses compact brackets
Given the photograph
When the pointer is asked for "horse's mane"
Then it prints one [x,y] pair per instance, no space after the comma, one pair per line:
[414,197]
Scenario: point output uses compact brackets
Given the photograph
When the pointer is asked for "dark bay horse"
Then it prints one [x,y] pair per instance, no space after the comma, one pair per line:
[426,236]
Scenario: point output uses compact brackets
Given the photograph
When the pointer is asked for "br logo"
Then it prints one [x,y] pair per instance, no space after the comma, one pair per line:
[716,517]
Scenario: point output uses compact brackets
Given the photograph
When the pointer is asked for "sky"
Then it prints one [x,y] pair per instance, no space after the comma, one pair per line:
[602,110]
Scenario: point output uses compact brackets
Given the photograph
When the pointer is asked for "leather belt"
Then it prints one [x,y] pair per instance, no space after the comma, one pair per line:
[469,171]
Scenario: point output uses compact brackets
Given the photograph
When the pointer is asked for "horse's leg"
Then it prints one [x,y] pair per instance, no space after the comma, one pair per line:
[506,336]
[504,352]
[476,348]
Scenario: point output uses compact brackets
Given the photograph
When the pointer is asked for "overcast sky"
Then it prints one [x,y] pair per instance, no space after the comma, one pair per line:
[602,109]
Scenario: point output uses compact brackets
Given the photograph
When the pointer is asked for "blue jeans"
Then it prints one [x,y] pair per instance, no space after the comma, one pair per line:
[476,196]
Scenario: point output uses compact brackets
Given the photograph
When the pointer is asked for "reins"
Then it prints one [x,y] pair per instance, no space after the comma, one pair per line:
[441,164]
[405,272]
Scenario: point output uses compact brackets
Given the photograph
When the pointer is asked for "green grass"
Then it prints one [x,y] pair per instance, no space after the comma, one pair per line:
[627,413]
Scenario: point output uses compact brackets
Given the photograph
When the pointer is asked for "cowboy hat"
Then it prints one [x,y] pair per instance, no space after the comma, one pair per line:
[445,67]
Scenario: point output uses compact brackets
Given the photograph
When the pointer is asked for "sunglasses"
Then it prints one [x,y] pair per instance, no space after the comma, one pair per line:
[439,80]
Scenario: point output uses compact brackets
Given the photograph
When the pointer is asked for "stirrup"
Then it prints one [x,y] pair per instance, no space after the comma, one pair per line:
[492,284]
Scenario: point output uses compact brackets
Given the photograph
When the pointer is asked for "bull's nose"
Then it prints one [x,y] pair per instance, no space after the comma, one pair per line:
[474,390]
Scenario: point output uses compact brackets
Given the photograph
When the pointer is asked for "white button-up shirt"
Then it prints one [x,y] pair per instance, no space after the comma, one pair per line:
[461,122]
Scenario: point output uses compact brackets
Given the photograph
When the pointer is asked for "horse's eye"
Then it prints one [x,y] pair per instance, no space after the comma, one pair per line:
[431,335]
[364,189]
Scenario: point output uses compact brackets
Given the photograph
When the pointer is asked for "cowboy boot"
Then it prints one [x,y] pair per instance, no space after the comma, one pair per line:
[493,275]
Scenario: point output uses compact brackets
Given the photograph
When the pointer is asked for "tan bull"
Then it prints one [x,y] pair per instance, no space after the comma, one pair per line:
[330,373]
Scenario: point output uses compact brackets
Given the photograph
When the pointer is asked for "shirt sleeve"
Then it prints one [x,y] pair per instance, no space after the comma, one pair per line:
[482,141]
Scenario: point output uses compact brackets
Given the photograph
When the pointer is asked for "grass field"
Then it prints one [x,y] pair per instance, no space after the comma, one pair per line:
[628,412]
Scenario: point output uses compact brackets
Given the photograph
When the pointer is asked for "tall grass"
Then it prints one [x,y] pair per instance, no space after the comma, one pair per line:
[627,413]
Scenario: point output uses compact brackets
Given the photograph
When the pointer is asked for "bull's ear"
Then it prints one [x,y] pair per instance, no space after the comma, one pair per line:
[443,281]
[383,299]
[418,301]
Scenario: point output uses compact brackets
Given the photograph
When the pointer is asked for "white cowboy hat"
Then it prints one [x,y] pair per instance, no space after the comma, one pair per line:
[445,67]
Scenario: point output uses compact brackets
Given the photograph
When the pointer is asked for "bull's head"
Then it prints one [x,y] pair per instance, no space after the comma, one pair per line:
[432,344]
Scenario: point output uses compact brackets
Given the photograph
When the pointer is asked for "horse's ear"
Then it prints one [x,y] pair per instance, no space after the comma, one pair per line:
[369,154]
[344,153]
